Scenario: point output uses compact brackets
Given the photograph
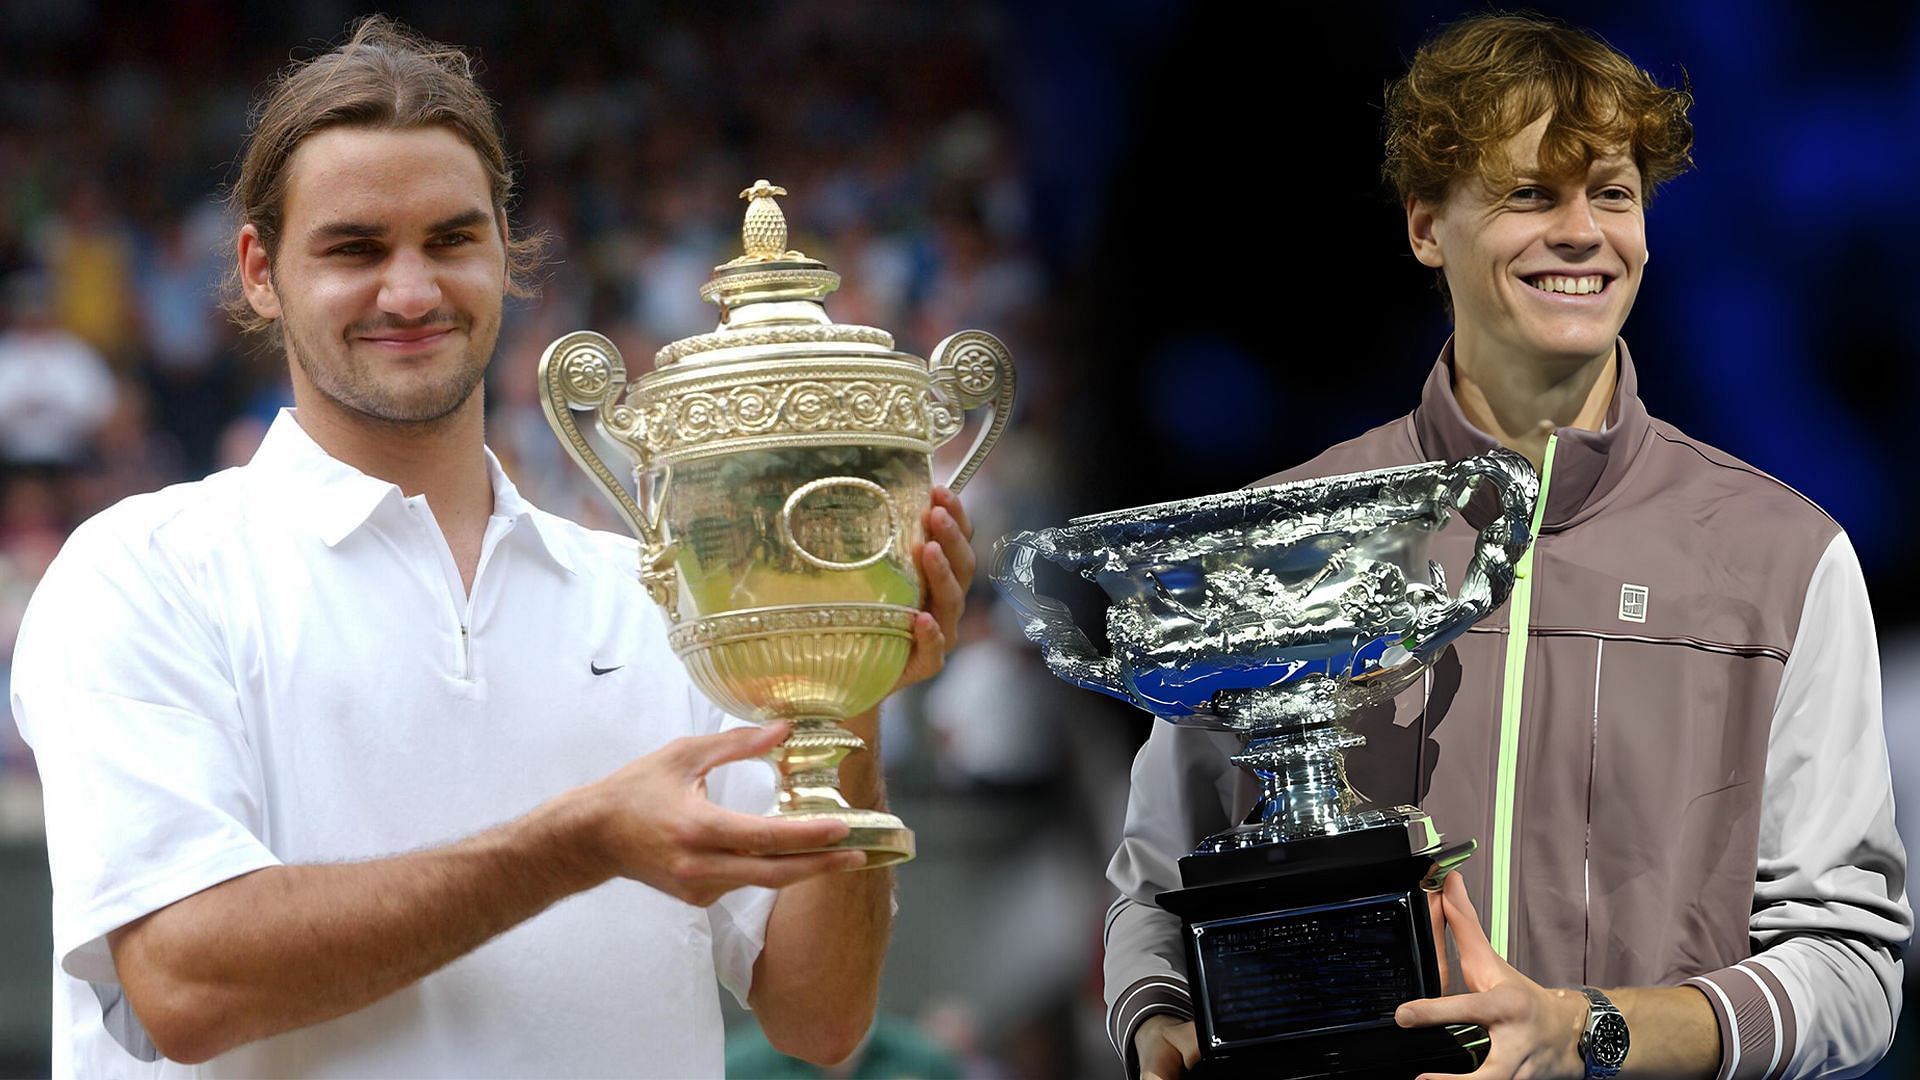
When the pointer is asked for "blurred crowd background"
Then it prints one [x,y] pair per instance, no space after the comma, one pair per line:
[1170,213]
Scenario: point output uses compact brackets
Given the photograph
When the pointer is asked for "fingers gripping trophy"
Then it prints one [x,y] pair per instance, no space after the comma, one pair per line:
[782,469]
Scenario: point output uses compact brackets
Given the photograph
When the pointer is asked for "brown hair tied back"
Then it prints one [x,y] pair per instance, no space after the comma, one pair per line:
[387,77]
[1474,85]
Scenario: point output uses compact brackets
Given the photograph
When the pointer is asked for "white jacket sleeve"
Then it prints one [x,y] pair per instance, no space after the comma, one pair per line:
[1821,993]
[1183,790]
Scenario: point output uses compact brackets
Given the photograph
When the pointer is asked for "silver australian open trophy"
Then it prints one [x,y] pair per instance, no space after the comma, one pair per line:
[1275,613]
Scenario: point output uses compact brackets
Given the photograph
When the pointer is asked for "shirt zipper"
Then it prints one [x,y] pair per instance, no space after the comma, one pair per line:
[463,598]
[1520,615]
[487,546]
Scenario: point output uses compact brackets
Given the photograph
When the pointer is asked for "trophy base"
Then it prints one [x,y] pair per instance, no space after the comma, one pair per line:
[1299,953]
[1262,849]
[885,838]
[1402,1055]
[808,763]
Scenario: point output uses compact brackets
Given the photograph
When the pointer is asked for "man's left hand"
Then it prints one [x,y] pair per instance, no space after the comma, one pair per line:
[946,572]
[1535,1031]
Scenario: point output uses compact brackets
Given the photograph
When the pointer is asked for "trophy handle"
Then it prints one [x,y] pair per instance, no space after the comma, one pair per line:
[1049,624]
[970,369]
[1489,577]
[583,371]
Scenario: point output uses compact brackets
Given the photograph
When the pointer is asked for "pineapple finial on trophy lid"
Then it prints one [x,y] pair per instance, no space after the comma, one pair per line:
[768,271]
[764,233]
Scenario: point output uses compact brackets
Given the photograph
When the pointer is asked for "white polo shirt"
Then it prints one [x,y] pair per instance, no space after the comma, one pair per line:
[278,664]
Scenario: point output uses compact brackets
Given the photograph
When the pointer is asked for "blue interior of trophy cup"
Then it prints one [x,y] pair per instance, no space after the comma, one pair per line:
[1214,613]
[1190,689]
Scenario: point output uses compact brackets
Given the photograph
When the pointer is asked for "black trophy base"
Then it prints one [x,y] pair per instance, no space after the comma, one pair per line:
[1297,959]
[1406,1054]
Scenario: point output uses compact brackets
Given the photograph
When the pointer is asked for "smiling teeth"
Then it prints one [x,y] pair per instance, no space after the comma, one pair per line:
[1576,286]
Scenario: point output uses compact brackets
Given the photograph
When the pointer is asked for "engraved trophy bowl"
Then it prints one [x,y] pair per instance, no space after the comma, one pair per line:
[782,467]
[1274,613]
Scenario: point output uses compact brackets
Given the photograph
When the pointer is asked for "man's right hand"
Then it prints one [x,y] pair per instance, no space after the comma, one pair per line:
[652,822]
[1166,1047]
[289,946]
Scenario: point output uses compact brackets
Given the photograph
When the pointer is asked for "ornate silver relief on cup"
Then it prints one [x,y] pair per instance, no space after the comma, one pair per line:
[1276,612]
[782,468]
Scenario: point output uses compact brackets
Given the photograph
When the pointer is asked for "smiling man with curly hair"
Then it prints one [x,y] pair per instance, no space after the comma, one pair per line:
[1669,741]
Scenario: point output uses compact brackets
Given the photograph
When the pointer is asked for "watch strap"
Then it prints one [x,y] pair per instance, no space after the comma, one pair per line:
[1596,1052]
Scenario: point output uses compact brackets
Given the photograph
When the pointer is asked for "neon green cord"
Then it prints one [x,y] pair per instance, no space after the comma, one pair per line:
[1520,614]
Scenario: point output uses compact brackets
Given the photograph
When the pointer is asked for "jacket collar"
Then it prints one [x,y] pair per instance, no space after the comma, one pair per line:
[338,499]
[1587,465]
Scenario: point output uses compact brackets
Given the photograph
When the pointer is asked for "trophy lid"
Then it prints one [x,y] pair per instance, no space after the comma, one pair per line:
[770,294]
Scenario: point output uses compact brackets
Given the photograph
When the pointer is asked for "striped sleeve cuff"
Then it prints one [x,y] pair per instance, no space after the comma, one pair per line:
[1154,994]
[1757,1029]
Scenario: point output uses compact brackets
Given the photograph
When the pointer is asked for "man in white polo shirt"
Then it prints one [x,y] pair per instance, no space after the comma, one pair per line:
[325,739]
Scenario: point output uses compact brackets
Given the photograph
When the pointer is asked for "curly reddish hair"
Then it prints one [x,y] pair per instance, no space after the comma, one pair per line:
[1476,83]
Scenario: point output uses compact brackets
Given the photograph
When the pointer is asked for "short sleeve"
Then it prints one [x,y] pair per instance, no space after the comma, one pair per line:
[738,919]
[122,688]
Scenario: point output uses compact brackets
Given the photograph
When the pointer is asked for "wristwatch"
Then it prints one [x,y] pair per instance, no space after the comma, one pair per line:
[1603,1045]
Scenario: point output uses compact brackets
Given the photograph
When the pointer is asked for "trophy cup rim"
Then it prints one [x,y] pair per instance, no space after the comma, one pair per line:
[1116,540]
[1247,497]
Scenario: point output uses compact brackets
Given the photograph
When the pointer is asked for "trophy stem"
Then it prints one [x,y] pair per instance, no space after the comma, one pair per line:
[1303,793]
[809,764]
[1304,790]
[809,789]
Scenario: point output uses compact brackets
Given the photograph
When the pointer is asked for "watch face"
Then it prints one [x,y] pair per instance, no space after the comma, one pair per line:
[1609,1042]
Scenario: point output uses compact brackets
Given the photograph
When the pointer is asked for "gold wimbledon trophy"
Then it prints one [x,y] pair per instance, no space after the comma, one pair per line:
[783,466]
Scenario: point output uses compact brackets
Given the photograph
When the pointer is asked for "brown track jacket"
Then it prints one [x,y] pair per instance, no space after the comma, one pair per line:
[1697,786]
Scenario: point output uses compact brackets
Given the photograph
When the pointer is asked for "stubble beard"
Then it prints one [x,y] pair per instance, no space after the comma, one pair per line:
[352,387]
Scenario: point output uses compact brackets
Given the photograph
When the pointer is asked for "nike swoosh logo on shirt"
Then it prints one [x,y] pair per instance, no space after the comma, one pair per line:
[598,670]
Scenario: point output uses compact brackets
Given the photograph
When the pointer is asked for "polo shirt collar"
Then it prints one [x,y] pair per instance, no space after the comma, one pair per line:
[338,498]
[334,496]
[508,503]
[1587,465]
